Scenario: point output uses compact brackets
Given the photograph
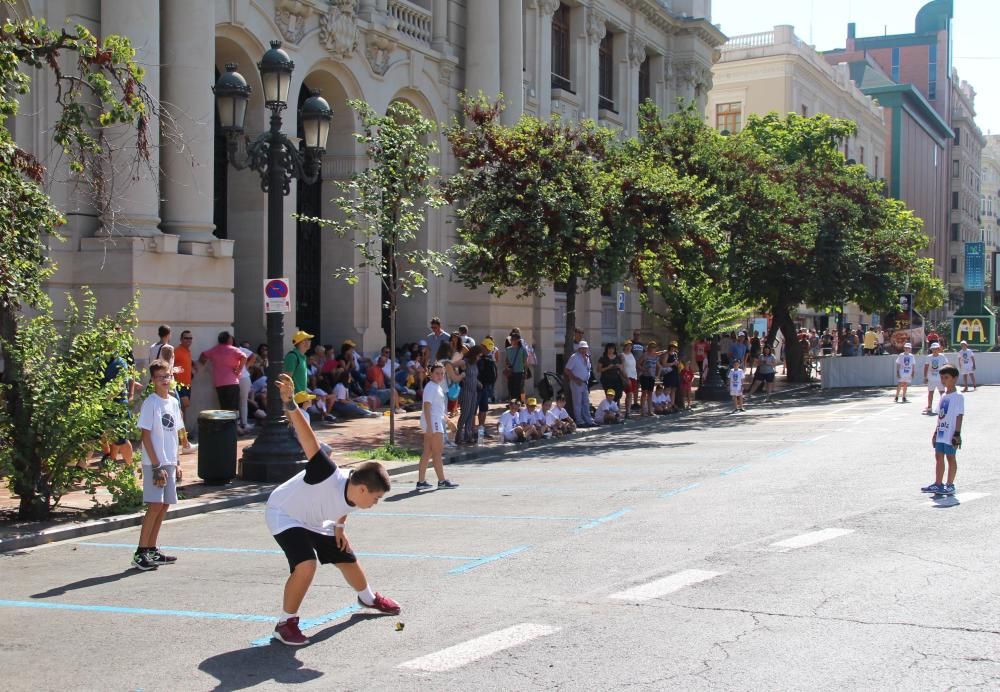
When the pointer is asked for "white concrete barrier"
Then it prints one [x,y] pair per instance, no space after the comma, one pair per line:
[880,371]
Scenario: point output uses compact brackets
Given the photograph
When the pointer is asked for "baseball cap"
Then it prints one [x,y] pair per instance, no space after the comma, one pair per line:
[300,336]
[302,397]
[965,342]
[583,344]
[610,392]
[935,345]
[488,343]
[349,342]
[532,401]
[907,345]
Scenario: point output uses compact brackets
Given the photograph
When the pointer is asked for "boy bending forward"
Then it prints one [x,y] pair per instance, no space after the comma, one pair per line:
[306,514]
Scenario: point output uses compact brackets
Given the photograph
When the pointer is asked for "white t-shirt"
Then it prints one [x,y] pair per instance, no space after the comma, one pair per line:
[560,412]
[154,350]
[508,421]
[906,363]
[523,417]
[736,382]
[606,407]
[551,418]
[628,361]
[934,365]
[244,373]
[434,395]
[315,507]
[537,417]
[661,398]
[162,418]
[340,392]
[951,407]
[966,361]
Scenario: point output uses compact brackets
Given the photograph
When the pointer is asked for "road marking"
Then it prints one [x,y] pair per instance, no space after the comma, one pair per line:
[603,520]
[953,500]
[678,491]
[490,517]
[811,538]
[310,623]
[661,587]
[475,649]
[734,469]
[267,551]
[480,561]
[814,440]
[778,453]
[138,611]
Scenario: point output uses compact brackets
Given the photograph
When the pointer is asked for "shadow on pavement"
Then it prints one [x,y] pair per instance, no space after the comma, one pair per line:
[87,583]
[249,667]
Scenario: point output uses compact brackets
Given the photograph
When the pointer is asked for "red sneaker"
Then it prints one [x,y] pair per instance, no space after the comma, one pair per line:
[383,604]
[288,632]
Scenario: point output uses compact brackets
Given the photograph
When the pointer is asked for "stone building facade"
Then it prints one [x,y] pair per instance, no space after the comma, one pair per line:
[966,220]
[191,234]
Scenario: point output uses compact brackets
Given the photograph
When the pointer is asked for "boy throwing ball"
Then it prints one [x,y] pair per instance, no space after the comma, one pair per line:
[947,436]
[307,515]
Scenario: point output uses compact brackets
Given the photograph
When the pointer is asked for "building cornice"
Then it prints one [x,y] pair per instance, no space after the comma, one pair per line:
[656,12]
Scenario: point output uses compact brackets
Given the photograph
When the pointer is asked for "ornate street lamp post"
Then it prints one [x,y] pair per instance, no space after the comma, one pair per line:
[275,455]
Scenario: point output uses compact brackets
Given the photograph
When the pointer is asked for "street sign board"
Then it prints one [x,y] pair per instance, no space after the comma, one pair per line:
[276,296]
[621,301]
[975,266]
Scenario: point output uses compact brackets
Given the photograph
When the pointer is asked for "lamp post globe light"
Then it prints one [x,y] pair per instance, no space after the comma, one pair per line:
[275,455]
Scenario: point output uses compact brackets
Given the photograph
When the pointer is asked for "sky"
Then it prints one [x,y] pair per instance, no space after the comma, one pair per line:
[823,23]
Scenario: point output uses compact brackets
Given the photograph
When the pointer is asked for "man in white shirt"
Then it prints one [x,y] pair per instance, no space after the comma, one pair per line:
[577,372]
[509,427]
[154,350]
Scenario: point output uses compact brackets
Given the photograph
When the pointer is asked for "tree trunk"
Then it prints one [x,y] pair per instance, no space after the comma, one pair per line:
[795,363]
[571,288]
[393,293]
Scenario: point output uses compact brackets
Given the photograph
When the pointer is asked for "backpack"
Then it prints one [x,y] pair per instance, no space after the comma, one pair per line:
[487,370]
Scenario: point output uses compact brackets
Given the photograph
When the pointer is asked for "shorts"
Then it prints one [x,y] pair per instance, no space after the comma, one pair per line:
[765,376]
[118,423]
[184,391]
[943,448]
[151,492]
[934,383]
[300,545]
[485,394]
[904,379]
[733,391]
[671,380]
[633,386]
[647,382]
[510,437]
[966,371]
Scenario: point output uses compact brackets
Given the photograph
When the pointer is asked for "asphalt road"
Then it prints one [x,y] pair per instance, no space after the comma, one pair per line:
[787,547]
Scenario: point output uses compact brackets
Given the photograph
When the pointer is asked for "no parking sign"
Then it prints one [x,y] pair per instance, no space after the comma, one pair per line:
[276,296]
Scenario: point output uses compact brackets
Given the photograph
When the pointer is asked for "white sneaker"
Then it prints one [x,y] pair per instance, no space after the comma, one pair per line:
[189,448]
[260,414]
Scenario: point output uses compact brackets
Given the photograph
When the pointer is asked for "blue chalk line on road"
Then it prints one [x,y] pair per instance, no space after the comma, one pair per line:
[267,551]
[734,469]
[311,623]
[421,515]
[479,562]
[678,491]
[778,453]
[138,611]
[605,519]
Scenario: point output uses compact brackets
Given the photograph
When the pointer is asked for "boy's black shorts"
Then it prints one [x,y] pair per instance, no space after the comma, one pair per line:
[301,544]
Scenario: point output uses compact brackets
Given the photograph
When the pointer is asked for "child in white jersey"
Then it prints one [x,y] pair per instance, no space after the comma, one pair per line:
[661,400]
[432,422]
[607,411]
[967,366]
[552,421]
[566,422]
[947,435]
[509,427]
[306,515]
[906,364]
[735,378]
[932,366]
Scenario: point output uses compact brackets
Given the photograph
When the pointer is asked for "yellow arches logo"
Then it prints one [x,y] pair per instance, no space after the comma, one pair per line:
[972,331]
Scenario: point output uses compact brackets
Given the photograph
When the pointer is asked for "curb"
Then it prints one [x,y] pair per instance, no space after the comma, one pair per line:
[124,521]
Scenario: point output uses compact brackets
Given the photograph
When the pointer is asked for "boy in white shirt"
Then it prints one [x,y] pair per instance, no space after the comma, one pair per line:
[932,366]
[536,418]
[661,400]
[905,366]
[967,366]
[160,421]
[551,419]
[566,422]
[736,384]
[947,435]
[607,411]
[509,427]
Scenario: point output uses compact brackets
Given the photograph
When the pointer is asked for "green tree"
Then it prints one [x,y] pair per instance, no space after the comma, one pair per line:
[384,208]
[697,307]
[97,84]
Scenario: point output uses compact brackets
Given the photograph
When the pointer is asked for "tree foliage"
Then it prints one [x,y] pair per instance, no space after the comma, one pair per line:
[696,306]
[384,208]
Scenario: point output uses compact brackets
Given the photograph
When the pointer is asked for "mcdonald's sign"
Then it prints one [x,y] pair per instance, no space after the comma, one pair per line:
[977,330]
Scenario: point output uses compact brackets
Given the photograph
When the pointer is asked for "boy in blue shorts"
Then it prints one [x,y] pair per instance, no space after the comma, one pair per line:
[947,436]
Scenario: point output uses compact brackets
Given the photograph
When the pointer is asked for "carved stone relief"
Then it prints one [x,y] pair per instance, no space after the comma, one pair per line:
[597,26]
[636,51]
[291,17]
[378,50]
[338,28]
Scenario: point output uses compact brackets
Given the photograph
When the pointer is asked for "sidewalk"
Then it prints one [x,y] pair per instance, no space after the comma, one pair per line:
[75,516]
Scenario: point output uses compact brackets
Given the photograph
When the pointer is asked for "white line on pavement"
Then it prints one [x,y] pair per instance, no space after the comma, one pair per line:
[461,654]
[661,587]
[959,499]
[811,538]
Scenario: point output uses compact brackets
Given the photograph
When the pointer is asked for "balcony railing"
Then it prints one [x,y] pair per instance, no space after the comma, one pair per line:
[761,38]
[414,21]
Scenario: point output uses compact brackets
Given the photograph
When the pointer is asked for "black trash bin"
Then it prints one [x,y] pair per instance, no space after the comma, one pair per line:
[217,446]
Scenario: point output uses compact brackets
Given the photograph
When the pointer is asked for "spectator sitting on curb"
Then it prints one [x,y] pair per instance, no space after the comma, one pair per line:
[509,427]
[608,412]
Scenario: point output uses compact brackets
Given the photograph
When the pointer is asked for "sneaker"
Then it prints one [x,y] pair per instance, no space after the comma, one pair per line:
[447,484]
[905,400]
[189,448]
[937,488]
[383,604]
[260,414]
[423,485]
[896,399]
[143,560]
[327,418]
[288,632]
[949,489]
[161,559]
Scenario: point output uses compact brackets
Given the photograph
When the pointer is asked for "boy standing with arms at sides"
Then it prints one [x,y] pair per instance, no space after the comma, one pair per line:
[905,365]
[432,417]
[935,361]
[306,515]
[160,422]
[947,435]
[736,384]
[967,366]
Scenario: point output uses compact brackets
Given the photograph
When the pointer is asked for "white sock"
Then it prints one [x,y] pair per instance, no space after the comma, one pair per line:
[285,617]
[367,596]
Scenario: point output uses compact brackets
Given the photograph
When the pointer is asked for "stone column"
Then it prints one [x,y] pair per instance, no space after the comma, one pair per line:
[482,48]
[188,126]
[512,60]
[135,202]
[439,26]
[630,108]
[588,84]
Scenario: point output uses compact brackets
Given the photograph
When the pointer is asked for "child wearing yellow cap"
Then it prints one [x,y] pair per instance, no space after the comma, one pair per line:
[608,412]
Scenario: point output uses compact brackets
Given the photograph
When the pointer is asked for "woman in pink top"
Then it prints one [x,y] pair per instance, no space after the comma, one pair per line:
[227,363]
